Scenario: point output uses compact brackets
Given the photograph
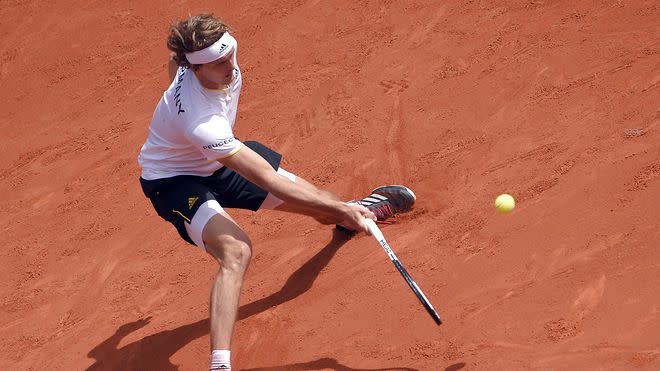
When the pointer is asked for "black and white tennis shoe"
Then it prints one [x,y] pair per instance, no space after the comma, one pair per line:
[386,201]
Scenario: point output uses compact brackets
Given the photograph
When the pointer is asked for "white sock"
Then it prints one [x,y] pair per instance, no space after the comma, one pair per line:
[220,360]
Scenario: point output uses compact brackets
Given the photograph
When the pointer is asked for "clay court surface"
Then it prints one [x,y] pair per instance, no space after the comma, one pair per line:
[554,102]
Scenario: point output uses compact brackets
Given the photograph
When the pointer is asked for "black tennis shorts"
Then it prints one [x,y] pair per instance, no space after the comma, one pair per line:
[177,199]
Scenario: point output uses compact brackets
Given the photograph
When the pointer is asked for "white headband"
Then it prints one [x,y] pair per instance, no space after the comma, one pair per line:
[219,49]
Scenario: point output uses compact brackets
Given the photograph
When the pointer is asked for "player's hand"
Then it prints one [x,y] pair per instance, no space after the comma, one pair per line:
[355,215]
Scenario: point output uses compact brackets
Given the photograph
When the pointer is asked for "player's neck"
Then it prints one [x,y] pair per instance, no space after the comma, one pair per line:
[209,84]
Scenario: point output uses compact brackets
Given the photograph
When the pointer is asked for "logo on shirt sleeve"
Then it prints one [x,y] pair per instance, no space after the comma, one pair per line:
[219,144]
[177,93]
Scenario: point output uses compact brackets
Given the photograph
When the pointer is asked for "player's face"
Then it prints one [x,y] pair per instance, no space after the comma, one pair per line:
[219,73]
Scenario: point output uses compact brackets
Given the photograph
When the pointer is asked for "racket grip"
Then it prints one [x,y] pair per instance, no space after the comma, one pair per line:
[373,228]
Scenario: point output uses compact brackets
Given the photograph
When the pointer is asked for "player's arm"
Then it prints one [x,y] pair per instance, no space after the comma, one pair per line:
[172,67]
[256,169]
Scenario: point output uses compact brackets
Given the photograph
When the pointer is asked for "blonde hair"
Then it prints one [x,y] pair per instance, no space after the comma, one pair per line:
[193,34]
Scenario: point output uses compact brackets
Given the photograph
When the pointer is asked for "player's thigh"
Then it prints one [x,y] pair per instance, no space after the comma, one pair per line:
[225,240]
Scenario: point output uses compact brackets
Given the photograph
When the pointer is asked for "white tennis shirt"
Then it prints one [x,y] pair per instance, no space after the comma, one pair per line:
[191,128]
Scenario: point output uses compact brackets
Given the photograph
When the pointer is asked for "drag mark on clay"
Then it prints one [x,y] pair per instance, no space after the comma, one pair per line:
[543,153]
[394,129]
[587,78]
[561,329]
[644,177]
[589,298]
[392,137]
[429,29]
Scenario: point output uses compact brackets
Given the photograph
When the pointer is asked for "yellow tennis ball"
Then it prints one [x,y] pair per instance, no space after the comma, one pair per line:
[504,203]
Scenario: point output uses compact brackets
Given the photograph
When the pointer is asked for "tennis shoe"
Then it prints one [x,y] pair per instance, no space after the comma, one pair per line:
[386,201]
[399,197]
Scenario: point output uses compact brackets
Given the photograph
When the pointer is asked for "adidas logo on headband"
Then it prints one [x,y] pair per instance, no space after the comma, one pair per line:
[217,50]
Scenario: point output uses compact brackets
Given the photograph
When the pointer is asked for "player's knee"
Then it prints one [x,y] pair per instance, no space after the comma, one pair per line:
[232,253]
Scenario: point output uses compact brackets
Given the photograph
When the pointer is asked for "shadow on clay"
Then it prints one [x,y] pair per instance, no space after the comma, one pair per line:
[153,352]
[325,363]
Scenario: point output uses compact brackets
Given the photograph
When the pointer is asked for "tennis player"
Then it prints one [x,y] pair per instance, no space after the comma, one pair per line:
[194,168]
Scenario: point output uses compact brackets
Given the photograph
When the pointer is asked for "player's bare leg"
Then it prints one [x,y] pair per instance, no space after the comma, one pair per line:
[232,248]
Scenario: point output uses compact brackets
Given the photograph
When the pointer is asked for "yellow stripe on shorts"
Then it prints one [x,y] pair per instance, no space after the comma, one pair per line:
[183,216]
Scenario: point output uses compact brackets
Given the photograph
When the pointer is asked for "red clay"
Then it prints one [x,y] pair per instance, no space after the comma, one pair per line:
[554,102]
